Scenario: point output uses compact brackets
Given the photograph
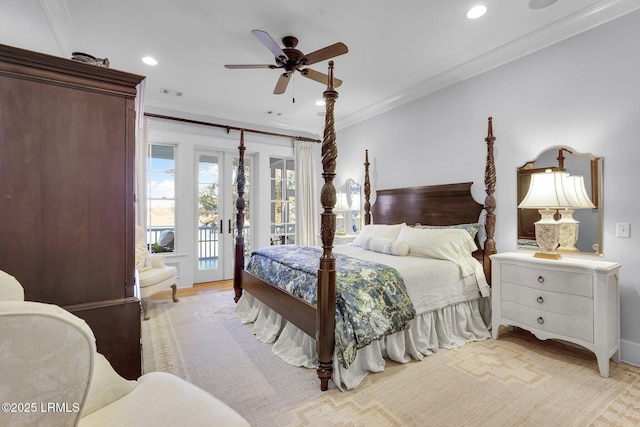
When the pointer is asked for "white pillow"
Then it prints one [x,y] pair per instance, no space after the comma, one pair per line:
[453,244]
[143,258]
[387,231]
[471,228]
[386,246]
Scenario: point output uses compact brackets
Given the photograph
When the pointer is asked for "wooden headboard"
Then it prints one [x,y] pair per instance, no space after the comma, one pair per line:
[446,204]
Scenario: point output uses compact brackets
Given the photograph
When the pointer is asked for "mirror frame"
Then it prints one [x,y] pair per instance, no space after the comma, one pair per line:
[525,216]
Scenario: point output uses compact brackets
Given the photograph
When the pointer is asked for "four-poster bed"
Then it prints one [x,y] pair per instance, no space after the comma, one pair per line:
[440,205]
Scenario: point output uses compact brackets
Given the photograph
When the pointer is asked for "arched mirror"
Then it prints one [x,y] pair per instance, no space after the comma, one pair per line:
[575,163]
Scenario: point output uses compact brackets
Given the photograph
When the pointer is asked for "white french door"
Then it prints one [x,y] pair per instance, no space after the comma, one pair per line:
[215,222]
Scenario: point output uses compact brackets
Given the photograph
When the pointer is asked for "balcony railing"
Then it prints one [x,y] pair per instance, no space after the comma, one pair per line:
[208,238]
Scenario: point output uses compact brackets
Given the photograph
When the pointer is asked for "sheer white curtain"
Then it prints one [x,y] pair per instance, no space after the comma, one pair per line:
[142,153]
[307,215]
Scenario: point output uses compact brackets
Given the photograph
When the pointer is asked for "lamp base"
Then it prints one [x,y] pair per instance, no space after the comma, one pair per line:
[340,225]
[547,233]
[547,255]
[568,251]
[568,231]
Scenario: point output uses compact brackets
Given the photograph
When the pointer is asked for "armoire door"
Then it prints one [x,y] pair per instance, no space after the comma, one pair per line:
[67,133]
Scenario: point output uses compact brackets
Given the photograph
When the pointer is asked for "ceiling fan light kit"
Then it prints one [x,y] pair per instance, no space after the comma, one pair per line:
[290,59]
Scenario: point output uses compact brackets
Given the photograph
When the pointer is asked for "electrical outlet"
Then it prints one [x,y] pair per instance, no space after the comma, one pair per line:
[622,229]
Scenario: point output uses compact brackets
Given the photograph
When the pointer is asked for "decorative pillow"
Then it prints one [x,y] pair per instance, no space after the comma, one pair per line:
[387,231]
[471,228]
[143,258]
[453,244]
[386,246]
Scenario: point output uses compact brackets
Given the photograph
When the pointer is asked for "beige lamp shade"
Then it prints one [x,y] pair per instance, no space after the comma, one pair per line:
[579,192]
[569,226]
[549,190]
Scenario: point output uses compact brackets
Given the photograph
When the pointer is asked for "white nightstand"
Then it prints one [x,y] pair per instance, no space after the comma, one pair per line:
[571,299]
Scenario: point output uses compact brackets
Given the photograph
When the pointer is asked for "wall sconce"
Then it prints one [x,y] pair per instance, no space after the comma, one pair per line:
[548,192]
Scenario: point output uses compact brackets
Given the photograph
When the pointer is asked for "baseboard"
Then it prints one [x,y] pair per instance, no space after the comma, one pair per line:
[630,352]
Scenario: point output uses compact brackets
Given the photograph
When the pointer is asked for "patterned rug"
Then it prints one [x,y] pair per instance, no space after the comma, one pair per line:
[516,380]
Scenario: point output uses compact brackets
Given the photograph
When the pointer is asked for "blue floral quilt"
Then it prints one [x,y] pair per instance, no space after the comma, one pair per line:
[371,299]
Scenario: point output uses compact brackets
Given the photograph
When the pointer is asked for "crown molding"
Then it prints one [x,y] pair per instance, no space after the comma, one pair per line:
[560,30]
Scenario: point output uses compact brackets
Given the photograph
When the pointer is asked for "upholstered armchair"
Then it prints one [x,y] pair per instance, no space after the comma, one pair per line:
[51,374]
[153,275]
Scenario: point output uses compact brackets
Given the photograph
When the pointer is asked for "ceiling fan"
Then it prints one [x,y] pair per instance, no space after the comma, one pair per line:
[291,60]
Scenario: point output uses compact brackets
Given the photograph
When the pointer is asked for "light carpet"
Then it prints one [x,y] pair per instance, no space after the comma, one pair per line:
[516,380]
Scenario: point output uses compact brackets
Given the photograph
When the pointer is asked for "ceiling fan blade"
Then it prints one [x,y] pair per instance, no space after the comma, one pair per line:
[281,85]
[319,77]
[332,51]
[271,44]
[233,67]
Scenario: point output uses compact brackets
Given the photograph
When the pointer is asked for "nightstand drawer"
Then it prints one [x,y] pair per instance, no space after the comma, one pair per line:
[552,280]
[572,299]
[555,302]
[554,323]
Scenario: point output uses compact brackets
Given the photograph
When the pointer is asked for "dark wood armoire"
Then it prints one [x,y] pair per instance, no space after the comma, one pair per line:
[67,144]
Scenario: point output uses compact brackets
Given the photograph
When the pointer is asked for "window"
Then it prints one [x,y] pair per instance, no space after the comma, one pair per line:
[283,206]
[161,203]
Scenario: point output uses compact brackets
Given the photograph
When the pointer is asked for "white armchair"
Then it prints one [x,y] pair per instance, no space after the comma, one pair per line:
[153,275]
[52,375]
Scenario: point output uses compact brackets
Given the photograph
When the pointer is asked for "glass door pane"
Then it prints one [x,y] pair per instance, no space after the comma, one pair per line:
[161,201]
[209,218]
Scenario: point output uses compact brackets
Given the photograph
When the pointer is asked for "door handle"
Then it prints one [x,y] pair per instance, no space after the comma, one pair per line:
[221,227]
[229,226]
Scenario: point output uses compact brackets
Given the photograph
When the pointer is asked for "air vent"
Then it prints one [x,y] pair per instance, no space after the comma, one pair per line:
[171,92]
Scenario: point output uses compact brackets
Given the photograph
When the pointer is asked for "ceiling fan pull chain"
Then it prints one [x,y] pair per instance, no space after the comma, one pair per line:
[293,99]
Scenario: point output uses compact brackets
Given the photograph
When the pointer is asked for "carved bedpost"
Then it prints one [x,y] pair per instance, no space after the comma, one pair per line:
[367,190]
[326,299]
[238,265]
[490,202]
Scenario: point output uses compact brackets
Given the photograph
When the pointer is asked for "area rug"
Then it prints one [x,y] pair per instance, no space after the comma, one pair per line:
[516,380]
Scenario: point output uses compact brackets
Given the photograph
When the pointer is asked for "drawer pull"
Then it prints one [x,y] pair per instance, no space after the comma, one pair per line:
[540,300]
[540,279]
[540,320]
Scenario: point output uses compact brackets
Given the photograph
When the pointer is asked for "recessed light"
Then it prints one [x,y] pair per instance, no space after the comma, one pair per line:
[320,102]
[476,11]
[149,60]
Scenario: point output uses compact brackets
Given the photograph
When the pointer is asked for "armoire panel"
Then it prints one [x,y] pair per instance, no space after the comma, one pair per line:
[67,144]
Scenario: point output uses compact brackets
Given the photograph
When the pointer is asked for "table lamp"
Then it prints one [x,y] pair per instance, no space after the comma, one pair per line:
[548,192]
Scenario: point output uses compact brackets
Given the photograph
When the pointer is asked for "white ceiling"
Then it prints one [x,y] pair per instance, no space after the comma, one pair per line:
[398,51]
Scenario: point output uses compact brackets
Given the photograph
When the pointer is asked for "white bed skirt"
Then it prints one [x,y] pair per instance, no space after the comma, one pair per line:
[447,328]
